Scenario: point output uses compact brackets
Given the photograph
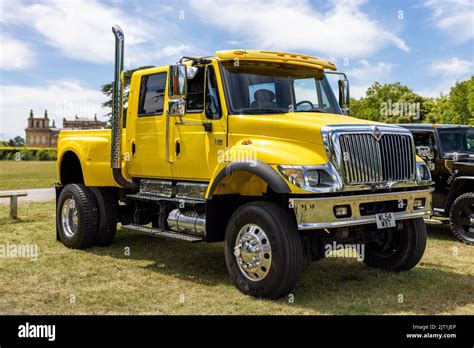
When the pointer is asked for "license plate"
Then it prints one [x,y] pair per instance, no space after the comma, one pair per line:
[385,220]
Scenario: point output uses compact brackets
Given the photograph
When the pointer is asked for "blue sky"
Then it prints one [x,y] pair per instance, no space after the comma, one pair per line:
[55,55]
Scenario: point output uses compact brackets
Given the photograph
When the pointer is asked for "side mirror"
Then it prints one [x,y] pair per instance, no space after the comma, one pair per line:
[344,96]
[177,107]
[424,152]
[177,81]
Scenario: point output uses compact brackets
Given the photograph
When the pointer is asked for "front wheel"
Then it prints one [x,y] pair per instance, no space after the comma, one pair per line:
[263,250]
[396,250]
[461,218]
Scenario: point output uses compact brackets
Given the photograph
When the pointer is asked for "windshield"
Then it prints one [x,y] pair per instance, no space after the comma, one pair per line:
[457,140]
[265,88]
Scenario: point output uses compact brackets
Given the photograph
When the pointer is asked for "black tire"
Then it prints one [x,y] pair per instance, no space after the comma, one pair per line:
[84,232]
[107,205]
[460,215]
[398,250]
[286,252]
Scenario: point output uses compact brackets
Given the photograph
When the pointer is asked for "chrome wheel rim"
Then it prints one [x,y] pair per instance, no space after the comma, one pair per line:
[253,252]
[69,218]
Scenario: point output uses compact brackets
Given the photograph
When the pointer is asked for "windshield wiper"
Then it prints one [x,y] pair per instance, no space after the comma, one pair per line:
[261,111]
[310,110]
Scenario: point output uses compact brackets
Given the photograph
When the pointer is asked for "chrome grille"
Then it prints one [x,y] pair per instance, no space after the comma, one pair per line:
[368,161]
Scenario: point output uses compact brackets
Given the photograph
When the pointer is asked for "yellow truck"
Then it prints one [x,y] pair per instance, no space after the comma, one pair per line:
[251,148]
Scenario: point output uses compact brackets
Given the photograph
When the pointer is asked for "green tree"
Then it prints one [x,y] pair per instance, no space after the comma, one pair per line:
[16,141]
[438,110]
[460,106]
[107,89]
[390,103]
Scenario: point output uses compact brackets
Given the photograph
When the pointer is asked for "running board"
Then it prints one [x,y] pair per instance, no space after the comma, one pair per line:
[157,232]
[153,197]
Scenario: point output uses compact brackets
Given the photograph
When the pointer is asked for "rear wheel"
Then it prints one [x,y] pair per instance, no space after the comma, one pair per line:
[397,250]
[77,216]
[461,218]
[263,250]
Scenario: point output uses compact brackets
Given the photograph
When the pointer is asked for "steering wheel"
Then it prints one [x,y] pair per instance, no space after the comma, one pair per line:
[304,102]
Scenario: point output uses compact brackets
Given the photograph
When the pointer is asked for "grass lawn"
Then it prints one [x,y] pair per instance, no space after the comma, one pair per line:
[18,175]
[170,277]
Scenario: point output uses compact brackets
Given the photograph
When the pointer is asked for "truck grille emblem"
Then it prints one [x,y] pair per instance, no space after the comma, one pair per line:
[376,133]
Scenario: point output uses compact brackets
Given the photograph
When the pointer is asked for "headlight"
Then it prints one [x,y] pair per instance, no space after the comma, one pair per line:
[311,178]
[294,175]
[422,172]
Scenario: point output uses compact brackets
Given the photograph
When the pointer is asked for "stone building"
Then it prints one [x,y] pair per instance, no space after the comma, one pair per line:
[84,123]
[40,133]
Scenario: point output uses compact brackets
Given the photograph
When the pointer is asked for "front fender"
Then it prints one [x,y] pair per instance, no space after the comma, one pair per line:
[259,159]
[257,168]
[460,185]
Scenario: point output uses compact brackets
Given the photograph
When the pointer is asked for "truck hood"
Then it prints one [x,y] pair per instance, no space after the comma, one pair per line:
[301,126]
[465,167]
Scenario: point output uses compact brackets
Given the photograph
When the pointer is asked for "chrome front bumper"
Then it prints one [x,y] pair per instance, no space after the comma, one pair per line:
[318,213]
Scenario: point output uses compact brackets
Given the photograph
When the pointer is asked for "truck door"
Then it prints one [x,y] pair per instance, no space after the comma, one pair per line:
[146,125]
[199,138]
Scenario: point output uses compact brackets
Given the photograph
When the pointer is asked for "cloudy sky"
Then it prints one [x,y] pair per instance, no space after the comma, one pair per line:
[55,55]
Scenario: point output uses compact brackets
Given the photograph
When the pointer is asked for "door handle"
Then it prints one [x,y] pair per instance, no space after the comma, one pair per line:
[177,146]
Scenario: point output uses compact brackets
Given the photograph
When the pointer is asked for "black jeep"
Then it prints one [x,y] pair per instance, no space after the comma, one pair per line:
[448,151]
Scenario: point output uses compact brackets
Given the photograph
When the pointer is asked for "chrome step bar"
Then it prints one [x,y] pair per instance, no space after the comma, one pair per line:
[437,220]
[154,197]
[157,232]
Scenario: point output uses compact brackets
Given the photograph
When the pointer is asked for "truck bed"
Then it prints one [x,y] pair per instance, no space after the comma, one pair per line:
[92,148]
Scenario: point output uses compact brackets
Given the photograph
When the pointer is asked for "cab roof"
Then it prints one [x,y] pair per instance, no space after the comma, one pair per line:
[278,57]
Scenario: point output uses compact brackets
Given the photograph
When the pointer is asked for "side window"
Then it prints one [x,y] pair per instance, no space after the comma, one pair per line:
[470,141]
[213,106]
[152,94]
[423,139]
[195,93]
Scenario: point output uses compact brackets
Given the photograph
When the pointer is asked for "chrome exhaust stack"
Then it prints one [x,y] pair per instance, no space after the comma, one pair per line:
[117,113]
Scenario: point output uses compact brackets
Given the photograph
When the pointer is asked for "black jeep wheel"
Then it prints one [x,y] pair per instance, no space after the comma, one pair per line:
[461,218]
[263,250]
[77,216]
[397,250]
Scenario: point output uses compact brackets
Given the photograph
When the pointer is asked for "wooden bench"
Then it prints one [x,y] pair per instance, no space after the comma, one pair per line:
[13,201]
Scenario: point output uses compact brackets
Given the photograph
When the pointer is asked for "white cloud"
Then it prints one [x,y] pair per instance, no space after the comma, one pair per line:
[364,74]
[343,30]
[454,67]
[456,17]
[15,54]
[60,98]
[81,30]
[447,72]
